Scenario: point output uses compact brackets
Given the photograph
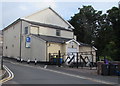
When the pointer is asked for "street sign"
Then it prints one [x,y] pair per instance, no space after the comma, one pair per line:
[28,39]
[27,44]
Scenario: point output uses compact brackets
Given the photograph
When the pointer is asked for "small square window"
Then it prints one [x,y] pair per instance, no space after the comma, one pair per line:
[26,30]
[58,33]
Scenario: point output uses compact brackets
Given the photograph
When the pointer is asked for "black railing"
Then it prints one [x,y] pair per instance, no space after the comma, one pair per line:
[74,58]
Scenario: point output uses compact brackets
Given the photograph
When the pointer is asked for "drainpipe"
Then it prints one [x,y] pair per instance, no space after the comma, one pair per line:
[38,31]
[46,50]
[2,52]
[20,40]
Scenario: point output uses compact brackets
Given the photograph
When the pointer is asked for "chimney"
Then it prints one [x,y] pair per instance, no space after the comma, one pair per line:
[75,37]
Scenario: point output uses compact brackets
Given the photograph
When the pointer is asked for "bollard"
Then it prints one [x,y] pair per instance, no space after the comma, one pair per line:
[77,60]
[35,61]
[28,61]
[21,60]
[59,65]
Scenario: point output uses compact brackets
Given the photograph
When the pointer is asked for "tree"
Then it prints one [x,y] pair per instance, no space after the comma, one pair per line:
[104,35]
[114,19]
[85,23]
[103,29]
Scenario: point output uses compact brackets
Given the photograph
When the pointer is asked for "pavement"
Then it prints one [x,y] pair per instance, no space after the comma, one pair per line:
[86,72]
[51,74]
[0,74]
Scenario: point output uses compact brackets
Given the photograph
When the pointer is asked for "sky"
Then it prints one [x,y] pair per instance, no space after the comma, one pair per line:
[11,10]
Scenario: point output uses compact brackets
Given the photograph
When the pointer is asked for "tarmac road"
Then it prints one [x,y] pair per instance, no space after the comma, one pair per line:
[27,74]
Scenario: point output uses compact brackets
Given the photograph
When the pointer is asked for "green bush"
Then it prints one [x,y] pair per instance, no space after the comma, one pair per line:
[106,57]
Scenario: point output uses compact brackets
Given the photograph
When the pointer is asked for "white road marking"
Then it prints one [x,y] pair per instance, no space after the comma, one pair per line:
[10,73]
[77,76]
[72,75]
[45,66]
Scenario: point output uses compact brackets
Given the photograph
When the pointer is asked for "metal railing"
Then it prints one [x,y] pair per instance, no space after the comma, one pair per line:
[73,58]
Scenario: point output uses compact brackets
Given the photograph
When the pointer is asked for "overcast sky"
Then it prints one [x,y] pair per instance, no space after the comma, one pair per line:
[13,9]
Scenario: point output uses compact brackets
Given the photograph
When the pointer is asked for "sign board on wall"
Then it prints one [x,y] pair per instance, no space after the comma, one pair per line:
[28,39]
[28,42]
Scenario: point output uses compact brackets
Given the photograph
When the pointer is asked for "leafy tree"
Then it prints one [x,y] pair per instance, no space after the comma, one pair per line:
[114,19]
[105,35]
[103,29]
[85,23]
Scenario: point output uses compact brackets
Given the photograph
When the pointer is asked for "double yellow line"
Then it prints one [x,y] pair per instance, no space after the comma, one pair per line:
[10,75]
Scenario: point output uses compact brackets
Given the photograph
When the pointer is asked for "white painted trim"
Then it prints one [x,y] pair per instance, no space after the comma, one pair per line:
[62,18]
[73,40]
[94,48]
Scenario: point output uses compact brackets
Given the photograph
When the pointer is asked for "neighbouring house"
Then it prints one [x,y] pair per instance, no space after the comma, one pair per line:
[37,35]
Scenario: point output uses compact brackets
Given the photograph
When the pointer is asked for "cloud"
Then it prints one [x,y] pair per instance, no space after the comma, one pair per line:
[1,15]
[45,3]
[22,7]
[60,0]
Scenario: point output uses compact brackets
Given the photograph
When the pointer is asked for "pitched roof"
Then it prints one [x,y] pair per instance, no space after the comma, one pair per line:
[37,23]
[88,45]
[52,38]
[16,21]
[46,25]
[84,44]
[62,18]
[55,13]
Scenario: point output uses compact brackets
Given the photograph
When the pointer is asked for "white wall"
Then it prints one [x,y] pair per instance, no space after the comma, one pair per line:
[50,32]
[12,41]
[38,46]
[47,16]
[88,49]
[37,49]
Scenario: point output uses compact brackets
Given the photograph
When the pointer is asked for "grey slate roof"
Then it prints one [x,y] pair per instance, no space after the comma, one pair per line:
[84,44]
[46,25]
[52,38]
[37,23]
[57,39]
